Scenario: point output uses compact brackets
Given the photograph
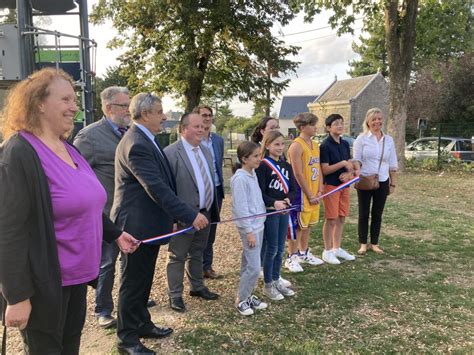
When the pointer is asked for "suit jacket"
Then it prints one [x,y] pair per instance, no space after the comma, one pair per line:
[97,143]
[218,147]
[145,200]
[183,171]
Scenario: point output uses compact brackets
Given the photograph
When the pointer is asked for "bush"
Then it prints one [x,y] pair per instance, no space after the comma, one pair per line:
[431,164]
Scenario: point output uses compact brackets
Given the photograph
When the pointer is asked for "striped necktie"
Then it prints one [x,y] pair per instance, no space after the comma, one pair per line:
[205,179]
[122,130]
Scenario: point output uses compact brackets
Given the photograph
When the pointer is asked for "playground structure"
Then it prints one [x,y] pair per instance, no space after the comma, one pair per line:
[25,48]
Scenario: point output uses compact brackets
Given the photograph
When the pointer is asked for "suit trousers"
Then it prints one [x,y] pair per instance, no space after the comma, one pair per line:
[185,253]
[138,270]
[208,256]
[67,339]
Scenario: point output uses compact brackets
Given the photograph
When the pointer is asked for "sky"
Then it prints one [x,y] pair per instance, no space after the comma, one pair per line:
[323,55]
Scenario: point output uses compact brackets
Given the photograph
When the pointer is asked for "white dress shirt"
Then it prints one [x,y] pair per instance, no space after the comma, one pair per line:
[197,172]
[367,150]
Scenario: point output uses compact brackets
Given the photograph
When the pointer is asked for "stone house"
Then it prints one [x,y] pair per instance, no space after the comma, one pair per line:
[351,98]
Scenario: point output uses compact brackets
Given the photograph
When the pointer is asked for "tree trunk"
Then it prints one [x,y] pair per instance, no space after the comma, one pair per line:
[400,42]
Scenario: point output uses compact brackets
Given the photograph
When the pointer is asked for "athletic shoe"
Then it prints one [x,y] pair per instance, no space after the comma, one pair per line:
[292,263]
[309,258]
[271,292]
[245,308]
[330,258]
[284,282]
[285,291]
[341,253]
[255,303]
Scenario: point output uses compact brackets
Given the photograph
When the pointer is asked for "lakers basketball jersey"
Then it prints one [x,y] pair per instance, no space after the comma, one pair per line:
[311,172]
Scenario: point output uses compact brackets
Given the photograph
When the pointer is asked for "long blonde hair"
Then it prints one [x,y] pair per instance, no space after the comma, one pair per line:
[370,113]
[268,138]
[23,100]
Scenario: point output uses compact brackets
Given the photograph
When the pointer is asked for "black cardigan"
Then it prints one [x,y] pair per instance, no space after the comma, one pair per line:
[29,263]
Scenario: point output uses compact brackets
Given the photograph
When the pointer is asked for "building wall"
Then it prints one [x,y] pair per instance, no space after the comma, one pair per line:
[375,95]
[285,124]
[324,109]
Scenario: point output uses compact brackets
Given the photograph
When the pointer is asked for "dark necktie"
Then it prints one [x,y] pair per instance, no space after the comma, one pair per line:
[122,130]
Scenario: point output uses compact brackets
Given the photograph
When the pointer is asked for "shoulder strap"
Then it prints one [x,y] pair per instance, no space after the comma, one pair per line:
[381,157]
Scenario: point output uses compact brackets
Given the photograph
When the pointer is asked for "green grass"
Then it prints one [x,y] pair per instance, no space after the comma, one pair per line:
[418,297]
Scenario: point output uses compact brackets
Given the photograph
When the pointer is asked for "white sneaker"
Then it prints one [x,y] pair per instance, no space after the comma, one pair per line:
[330,258]
[309,258]
[292,264]
[341,253]
[285,291]
[245,308]
[284,282]
[271,292]
[255,303]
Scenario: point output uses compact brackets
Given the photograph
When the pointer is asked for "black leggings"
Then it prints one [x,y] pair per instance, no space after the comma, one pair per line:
[379,197]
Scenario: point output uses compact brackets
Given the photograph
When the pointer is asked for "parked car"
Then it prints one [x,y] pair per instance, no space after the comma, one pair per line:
[453,147]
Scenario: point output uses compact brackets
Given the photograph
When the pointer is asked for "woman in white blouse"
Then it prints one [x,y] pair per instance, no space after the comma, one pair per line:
[368,149]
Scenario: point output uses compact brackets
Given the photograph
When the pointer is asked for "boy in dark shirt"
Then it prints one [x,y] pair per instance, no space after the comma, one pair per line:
[337,168]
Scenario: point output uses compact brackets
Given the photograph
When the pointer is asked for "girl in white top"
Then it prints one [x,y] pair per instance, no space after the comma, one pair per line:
[368,149]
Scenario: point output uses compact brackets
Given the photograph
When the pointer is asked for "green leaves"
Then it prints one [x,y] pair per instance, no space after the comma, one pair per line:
[191,47]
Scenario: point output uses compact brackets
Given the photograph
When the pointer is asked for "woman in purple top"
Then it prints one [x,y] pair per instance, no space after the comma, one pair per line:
[51,218]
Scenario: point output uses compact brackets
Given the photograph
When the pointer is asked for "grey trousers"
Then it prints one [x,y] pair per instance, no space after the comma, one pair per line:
[249,266]
[185,252]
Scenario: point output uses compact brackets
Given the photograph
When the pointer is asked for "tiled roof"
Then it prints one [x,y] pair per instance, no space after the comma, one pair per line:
[292,105]
[344,90]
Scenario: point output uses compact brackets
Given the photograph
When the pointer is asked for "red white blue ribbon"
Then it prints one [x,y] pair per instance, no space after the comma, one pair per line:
[276,169]
[292,208]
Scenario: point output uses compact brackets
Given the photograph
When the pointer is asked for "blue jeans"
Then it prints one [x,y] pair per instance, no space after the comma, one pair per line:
[104,303]
[274,236]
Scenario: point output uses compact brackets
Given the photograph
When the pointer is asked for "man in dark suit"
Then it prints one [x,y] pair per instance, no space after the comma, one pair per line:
[215,144]
[191,164]
[145,204]
[97,143]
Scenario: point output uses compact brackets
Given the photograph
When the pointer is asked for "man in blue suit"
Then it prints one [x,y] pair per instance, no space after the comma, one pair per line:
[215,145]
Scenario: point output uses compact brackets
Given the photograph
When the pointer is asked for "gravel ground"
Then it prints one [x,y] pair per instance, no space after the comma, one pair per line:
[227,249]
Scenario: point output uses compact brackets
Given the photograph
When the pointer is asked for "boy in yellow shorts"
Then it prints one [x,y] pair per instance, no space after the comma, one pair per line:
[304,159]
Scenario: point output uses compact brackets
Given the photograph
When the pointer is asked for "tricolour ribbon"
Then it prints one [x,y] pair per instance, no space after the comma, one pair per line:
[295,207]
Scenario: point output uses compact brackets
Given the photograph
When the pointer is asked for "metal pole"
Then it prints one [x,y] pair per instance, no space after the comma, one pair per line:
[24,21]
[439,145]
[88,94]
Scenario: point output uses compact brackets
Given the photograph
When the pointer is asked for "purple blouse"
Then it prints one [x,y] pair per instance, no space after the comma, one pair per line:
[78,199]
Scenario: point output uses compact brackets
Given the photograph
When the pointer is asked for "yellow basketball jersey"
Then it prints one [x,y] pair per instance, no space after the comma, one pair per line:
[311,172]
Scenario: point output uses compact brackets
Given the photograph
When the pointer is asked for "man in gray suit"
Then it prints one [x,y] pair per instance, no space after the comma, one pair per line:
[97,143]
[191,164]
[215,144]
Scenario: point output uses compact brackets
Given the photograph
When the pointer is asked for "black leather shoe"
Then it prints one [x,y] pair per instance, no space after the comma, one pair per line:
[204,293]
[157,332]
[151,303]
[134,350]
[177,304]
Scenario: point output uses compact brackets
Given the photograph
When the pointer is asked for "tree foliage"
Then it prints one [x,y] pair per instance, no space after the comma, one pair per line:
[399,34]
[443,32]
[192,48]
[442,93]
